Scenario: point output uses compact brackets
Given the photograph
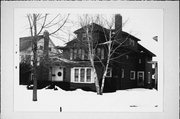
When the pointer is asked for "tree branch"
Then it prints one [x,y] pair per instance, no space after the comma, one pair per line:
[60,26]
[43,24]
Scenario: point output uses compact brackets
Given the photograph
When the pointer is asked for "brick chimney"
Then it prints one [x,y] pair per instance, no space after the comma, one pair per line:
[46,45]
[118,23]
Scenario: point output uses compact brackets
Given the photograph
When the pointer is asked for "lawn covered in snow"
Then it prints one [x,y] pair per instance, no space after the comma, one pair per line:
[50,100]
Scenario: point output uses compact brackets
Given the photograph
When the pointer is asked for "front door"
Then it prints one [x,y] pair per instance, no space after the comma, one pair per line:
[57,73]
[140,78]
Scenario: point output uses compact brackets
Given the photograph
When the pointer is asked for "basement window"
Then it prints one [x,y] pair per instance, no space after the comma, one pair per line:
[132,75]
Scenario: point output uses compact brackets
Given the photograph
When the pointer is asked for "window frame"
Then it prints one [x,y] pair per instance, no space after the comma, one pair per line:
[110,72]
[122,73]
[134,75]
[71,54]
[85,75]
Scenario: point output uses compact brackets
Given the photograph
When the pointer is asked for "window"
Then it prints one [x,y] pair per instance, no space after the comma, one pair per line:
[109,72]
[88,75]
[149,77]
[132,75]
[50,49]
[82,75]
[71,54]
[99,52]
[102,53]
[84,36]
[139,61]
[75,53]
[79,53]
[122,73]
[76,75]
[83,53]
[131,42]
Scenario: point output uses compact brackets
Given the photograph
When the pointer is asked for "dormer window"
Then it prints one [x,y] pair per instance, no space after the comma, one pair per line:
[83,36]
[131,42]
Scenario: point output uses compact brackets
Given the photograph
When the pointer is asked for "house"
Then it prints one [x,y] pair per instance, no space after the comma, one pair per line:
[131,70]
[45,51]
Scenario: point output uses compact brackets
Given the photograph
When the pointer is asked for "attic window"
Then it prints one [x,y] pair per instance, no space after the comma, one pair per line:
[131,42]
[84,36]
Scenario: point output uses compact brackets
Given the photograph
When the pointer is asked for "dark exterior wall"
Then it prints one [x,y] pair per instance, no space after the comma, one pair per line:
[148,79]
[67,74]
[128,62]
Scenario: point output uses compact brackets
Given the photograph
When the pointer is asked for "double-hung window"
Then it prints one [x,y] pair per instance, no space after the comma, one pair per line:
[109,72]
[82,75]
[132,75]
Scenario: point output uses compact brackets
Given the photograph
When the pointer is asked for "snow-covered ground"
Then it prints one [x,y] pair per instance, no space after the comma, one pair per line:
[49,100]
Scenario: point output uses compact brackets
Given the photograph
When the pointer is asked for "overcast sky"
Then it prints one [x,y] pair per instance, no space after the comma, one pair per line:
[142,23]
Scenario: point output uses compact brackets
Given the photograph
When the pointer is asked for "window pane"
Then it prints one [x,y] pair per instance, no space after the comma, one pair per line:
[76,75]
[71,54]
[102,53]
[79,53]
[88,75]
[109,72]
[122,73]
[132,75]
[83,53]
[82,75]
[99,52]
[75,53]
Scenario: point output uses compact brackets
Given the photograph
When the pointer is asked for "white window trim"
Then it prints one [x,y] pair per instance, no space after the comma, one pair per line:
[122,73]
[85,78]
[140,72]
[149,77]
[102,53]
[71,54]
[109,72]
[134,75]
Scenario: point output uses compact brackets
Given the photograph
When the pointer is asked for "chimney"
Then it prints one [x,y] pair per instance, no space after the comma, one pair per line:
[46,45]
[118,23]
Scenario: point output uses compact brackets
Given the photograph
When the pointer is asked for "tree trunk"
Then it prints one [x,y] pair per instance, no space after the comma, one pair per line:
[35,60]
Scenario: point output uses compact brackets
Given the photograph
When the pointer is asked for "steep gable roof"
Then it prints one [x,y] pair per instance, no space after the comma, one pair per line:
[143,49]
[26,42]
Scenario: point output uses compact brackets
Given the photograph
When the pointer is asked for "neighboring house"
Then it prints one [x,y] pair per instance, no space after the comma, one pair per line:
[131,70]
[26,59]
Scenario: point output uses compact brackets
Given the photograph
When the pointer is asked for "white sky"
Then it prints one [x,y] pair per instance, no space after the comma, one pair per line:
[142,23]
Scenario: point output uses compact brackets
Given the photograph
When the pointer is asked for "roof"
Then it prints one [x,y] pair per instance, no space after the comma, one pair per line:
[96,27]
[141,48]
[102,29]
[26,42]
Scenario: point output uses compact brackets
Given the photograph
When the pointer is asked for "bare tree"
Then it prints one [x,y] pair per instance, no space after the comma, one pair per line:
[38,23]
[113,41]
[85,22]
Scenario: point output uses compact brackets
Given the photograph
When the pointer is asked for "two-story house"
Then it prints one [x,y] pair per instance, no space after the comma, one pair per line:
[130,67]
[45,50]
